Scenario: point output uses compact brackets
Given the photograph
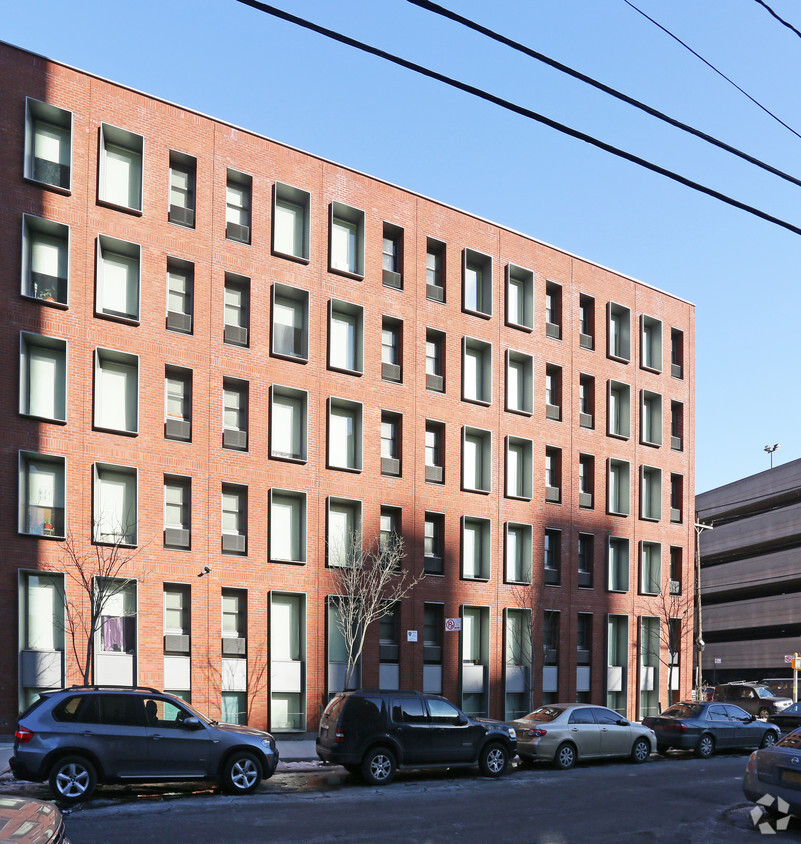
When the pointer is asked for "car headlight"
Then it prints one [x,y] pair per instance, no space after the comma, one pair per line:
[269,742]
[512,733]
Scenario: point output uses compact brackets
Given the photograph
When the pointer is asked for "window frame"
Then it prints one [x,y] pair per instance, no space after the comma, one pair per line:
[353,219]
[237,334]
[107,246]
[483,469]
[182,215]
[524,490]
[348,309]
[334,403]
[34,227]
[301,397]
[181,321]
[482,562]
[479,262]
[481,350]
[355,507]
[618,487]
[131,474]
[239,232]
[177,535]
[435,291]
[520,569]
[119,359]
[517,275]
[295,498]
[134,144]
[300,200]
[298,300]
[618,321]
[523,364]
[38,111]
[651,347]
[234,542]
[25,460]
[29,340]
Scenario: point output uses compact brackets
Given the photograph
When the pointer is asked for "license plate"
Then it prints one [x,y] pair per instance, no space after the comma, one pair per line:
[792,777]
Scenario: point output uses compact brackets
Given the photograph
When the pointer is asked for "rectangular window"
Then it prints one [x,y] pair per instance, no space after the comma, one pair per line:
[291,215]
[476,460]
[435,361]
[390,444]
[42,494]
[617,662]
[344,531]
[477,283]
[618,565]
[475,548]
[434,543]
[476,371]
[619,332]
[676,353]
[552,550]
[234,519]
[288,423]
[42,624]
[236,316]
[238,195]
[433,627]
[43,377]
[177,510]
[391,349]
[235,414]
[583,641]
[389,535]
[115,517]
[287,526]
[120,183]
[389,635]
[619,410]
[651,343]
[586,322]
[651,493]
[346,240]
[434,452]
[519,297]
[619,488]
[553,392]
[650,568]
[651,418]
[290,328]
[177,403]
[234,614]
[118,278]
[586,401]
[519,540]
[176,619]
[183,175]
[392,257]
[677,426]
[344,435]
[553,310]
[519,382]
[116,391]
[676,498]
[288,661]
[48,144]
[586,555]
[345,336]
[45,260]
[675,570]
[586,479]
[117,626]
[519,468]
[553,475]
[180,295]
[435,270]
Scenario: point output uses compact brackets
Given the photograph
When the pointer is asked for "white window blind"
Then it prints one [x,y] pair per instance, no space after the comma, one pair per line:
[288,227]
[122,177]
[51,143]
[340,527]
[119,281]
[343,341]
[234,306]
[471,548]
[343,245]
[472,285]
[231,519]
[285,522]
[286,426]
[342,437]
[48,255]
[44,613]
[285,644]
[46,382]
[178,291]
[237,202]
[232,409]
[472,462]
[472,374]
[175,505]
[116,506]
[116,400]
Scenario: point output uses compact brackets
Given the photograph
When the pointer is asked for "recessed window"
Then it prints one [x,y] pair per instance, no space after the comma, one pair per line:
[518,552]
[435,270]
[391,349]
[290,333]
[676,353]
[619,332]
[651,343]
[476,537]
[116,391]
[586,554]
[433,543]
[346,240]
[180,295]
[118,278]
[236,316]
[48,144]
[344,435]
[177,510]
[519,297]
[553,310]
[177,403]
[675,570]
[586,401]
[235,414]
[519,468]
[586,479]
[676,498]
[120,183]
[45,260]
[651,418]
[586,322]
[677,426]
[619,488]
[287,526]
[552,553]
[651,493]
[234,519]
[288,423]
[553,392]
[618,565]
[476,371]
[183,175]
[477,283]
[43,377]
[389,531]
[476,460]
[435,361]
[344,544]
[390,444]
[42,493]
[345,336]
[291,216]
[553,475]
[619,410]
[238,196]
[115,518]
[650,568]
[519,382]
[434,452]
[392,256]
[177,626]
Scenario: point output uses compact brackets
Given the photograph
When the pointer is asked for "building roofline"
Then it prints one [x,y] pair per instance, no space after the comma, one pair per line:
[321,158]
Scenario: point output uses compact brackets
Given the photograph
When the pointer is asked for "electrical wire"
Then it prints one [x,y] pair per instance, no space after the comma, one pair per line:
[534,54]
[522,110]
[712,67]
[780,20]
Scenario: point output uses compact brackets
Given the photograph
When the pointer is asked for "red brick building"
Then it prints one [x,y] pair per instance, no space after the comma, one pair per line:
[221,352]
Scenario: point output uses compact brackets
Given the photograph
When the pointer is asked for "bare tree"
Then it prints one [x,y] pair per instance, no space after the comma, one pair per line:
[368,584]
[675,612]
[529,640]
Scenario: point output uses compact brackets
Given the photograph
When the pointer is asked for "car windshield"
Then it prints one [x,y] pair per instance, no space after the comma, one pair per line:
[795,709]
[683,710]
[763,692]
[545,713]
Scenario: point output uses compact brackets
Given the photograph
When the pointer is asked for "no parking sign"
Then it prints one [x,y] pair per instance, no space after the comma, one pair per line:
[453,624]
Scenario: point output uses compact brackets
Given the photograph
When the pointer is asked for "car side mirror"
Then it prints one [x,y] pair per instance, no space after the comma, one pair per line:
[192,723]
[622,722]
[463,720]
[749,719]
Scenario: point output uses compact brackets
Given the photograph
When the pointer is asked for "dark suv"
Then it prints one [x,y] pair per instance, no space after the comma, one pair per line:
[376,732]
[78,737]
[754,698]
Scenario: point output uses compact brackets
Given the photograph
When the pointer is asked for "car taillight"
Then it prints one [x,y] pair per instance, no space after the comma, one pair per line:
[676,727]
[23,735]
[538,733]
[752,763]
[339,736]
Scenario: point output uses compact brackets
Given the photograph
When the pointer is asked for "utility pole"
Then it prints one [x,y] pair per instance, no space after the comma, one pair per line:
[699,641]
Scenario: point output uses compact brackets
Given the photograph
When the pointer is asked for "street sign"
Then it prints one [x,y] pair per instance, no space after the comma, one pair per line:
[788,657]
[453,624]
[718,660]
[411,635]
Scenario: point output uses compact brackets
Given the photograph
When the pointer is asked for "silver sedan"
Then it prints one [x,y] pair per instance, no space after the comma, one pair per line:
[563,733]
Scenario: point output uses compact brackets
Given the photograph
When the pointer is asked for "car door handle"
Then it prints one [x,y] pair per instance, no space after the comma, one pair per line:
[86,733]
[156,737]
[574,729]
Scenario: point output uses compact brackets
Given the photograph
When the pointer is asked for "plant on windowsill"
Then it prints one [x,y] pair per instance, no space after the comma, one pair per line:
[46,293]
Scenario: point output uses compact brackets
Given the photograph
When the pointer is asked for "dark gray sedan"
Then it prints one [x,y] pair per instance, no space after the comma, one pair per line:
[709,726]
[775,773]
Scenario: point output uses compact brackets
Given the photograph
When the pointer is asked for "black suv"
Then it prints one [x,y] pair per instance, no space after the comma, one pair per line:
[80,736]
[376,732]
[754,698]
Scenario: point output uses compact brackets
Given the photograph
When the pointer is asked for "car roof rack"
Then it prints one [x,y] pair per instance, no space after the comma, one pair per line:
[111,687]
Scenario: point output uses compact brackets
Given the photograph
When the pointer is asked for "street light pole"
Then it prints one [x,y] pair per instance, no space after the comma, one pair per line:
[699,641]
[770,449]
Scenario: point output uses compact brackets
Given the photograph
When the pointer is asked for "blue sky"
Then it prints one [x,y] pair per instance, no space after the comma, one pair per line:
[240,65]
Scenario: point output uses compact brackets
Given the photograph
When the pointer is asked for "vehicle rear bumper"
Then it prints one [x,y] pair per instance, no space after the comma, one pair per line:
[21,771]
[681,741]
[754,789]
[335,755]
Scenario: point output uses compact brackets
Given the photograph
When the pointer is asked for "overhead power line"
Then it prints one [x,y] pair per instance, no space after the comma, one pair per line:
[534,54]
[780,20]
[712,67]
[518,109]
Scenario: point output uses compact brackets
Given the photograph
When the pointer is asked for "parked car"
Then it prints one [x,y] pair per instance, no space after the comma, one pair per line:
[782,686]
[788,719]
[81,736]
[563,733]
[376,732]
[755,698]
[24,820]
[776,772]
[706,727]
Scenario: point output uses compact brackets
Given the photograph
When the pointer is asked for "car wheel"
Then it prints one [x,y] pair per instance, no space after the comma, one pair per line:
[242,773]
[763,713]
[641,751]
[73,779]
[565,756]
[493,759]
[769,739]
[662,749]
[379,766]
[705,747]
